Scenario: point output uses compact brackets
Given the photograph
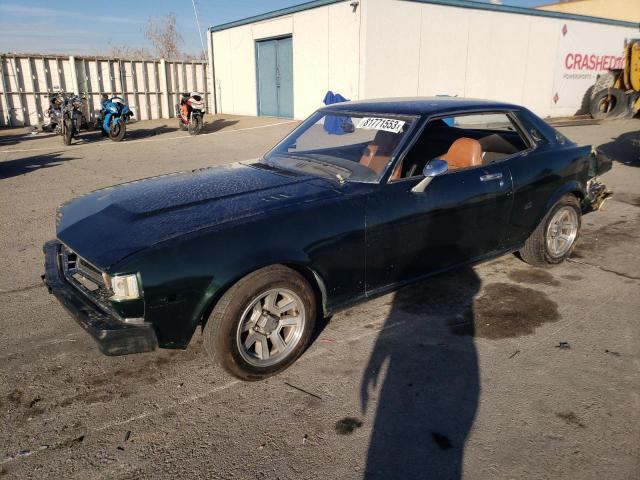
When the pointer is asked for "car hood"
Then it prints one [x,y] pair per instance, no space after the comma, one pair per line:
[108,225]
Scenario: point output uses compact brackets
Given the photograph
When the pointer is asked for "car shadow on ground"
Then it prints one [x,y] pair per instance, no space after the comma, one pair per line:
[428,396]
[624,149]
[14,168]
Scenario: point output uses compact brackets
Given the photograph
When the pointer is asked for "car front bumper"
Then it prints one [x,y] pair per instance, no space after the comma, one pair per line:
[113,336]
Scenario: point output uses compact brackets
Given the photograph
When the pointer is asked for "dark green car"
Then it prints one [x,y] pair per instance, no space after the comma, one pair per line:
[360,199]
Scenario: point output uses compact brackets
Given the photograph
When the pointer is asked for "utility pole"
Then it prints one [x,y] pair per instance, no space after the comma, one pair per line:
[195,12]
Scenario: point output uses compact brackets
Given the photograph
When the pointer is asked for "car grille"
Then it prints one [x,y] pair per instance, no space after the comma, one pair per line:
[85,277]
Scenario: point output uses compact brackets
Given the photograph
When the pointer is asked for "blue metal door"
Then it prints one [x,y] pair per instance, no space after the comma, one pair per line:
[274,62]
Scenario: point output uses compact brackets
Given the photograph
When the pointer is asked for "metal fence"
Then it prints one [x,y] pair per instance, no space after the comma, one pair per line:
[151,88]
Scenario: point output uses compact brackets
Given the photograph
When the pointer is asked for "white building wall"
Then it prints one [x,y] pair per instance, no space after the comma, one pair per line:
[310,61]
[326,50]
[392,48]
[344,49]
[415,48]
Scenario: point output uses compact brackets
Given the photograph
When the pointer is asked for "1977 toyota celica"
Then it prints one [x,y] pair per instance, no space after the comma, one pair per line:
[360,199]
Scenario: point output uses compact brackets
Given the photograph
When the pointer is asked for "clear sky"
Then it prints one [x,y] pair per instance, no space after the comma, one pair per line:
[89,27]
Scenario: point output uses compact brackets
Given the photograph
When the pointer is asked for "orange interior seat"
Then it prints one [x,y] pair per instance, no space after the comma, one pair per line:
[464,153]
[377,155]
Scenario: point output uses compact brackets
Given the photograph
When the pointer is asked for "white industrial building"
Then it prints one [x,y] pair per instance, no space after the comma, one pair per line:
[283,63]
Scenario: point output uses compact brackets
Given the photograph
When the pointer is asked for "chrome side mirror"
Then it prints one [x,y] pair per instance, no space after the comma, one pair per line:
[435,167]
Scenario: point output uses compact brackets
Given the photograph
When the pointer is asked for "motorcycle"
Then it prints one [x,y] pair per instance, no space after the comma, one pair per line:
[54,112]
[190,112]
[71,117]
[113,117]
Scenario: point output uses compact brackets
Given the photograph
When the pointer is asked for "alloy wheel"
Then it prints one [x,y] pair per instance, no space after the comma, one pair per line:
[562,231]
[270,327]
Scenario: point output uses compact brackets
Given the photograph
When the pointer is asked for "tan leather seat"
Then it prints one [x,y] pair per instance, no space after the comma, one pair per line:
[464,153]
[374,159]
[377,155]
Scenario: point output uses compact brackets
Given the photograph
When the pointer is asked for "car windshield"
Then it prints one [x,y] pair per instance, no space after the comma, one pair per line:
[353,147]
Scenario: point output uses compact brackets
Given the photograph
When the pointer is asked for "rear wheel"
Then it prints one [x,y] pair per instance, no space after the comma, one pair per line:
[262,324]
[555,237]
[117,131]
[67,131]
[181,125]
[609,103]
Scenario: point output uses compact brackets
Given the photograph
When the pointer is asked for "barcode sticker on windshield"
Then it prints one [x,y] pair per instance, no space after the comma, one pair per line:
[386,124]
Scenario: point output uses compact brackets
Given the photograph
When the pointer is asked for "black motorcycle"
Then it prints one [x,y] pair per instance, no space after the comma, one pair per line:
[71,117]
[54,112]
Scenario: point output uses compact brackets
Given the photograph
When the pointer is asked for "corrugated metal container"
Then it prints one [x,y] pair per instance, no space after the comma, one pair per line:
[150,87]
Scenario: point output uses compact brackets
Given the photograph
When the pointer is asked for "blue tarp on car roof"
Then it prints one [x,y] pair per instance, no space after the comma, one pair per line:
[333,124]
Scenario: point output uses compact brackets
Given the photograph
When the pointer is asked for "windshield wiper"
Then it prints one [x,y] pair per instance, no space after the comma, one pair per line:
[315,159]
[315,164]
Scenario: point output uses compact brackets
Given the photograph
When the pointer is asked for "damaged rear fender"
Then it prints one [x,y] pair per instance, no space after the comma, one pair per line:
[573,187]
[599,163]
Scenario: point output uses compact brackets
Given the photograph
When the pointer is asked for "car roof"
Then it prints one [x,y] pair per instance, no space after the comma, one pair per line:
[419,105]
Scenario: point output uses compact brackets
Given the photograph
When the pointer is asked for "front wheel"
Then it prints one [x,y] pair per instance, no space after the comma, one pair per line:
[195,124]
[555,237]
[117,131]
[262,324]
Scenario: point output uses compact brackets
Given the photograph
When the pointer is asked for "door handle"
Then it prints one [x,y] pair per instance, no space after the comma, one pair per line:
[490,176]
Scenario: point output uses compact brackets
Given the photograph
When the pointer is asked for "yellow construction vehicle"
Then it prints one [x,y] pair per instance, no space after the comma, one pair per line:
[617,92]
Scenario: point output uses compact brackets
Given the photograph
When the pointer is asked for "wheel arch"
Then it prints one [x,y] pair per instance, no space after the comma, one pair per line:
[215,292]
[573,188]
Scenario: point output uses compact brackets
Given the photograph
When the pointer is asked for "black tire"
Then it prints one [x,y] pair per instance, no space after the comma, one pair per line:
[535,251]
[603,82]
[117,131]
[221,329]
[182,126]
[609,103]
[195,125]
[67,133]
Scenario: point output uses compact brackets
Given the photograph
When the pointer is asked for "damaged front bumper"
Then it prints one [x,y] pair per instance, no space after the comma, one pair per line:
[113,336]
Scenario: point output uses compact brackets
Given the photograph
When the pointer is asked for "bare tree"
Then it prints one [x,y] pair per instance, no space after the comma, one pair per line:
[198,57]
[166,41]
[125,51]
[164,36]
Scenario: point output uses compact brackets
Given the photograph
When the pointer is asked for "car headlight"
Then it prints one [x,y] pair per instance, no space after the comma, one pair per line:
[125,287]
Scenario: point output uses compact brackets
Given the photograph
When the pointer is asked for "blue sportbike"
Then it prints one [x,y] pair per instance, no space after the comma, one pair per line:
[113,118]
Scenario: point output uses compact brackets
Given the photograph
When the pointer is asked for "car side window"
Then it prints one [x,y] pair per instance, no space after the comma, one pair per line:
[463,141]
[534,133]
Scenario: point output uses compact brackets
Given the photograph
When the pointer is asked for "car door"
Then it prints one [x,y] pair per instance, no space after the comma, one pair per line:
[461,216]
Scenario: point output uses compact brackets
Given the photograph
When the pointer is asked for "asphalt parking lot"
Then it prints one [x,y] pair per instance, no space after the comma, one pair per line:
[493,372]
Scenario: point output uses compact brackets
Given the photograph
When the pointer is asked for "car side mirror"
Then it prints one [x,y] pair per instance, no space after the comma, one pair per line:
[435,167]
